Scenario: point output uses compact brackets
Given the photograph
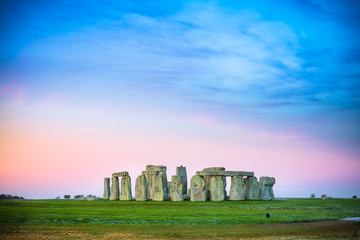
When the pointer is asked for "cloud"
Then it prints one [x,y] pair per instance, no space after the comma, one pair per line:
[249,65]
[202,47]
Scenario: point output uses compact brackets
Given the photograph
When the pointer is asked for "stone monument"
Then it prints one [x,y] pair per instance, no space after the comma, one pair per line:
[106,194]
[181,171]
[125,193]
[141,188]
[176,189]
[252,188]
[198,191]
[114,190]
[238,188]
[209,184]
[266,188]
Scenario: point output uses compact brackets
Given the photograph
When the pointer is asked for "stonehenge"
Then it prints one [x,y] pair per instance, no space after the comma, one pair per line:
[106,194]
[114,190]
[217,188]
[265,188]
[238,188]
[158,192]
[176,188]
[252,189]
[125,193]
[160,171]
[208,184]
[141,188]
[198,191]
[181,171]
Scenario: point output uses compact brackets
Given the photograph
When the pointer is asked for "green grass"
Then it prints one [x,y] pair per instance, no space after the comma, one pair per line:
[95,219]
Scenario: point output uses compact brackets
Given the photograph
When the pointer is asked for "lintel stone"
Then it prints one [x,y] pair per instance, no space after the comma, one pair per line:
[150,172]
[120,174]
[225,173]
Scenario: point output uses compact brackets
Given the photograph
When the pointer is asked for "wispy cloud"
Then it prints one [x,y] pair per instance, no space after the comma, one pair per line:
[202,47]
[241,60]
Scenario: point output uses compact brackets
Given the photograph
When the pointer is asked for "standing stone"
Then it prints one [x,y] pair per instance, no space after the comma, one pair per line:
[176,189]
[252,188]
[157,188]
[162,173]
[125,189]
[266,188]
[181,171]
[198,192]
[141,188]
[106,194]
[217,188]
[238,188]
[114,190]
[208,178]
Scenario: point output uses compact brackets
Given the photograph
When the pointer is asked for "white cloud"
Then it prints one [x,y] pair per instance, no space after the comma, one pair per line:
[202,47]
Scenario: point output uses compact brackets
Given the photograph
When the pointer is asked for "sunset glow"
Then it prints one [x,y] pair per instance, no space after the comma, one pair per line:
[88,89]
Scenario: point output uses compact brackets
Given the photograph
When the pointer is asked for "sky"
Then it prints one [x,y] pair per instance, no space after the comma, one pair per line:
[88,88]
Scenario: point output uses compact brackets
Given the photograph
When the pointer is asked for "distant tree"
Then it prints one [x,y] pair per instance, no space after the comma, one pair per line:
[8,196]
[354,196]
[57,197]
[312,195]
[324,197]
[67,196]
[78,196]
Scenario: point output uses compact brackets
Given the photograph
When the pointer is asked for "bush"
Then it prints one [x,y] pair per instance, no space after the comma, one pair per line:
[312,195]
[354,196]
[67,196]
[78,196]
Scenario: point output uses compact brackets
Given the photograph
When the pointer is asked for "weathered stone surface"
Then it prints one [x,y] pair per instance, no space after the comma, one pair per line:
[252,188]
[150,172]
[168,189]
[266,188]
[120,174]
[106,194]
[217,188]
[157,188]
[176,189]
[214,169]
[181,171]
[160,168]
[238,188]
[162,172]
[207,178]
[141,188]
[198,191]
[225,173]
[114,190]
[125,194]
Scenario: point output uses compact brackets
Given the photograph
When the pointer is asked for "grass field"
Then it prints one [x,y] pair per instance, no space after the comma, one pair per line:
[73,219]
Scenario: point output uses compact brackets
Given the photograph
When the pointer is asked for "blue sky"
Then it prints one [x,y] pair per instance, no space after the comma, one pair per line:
[281,67]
